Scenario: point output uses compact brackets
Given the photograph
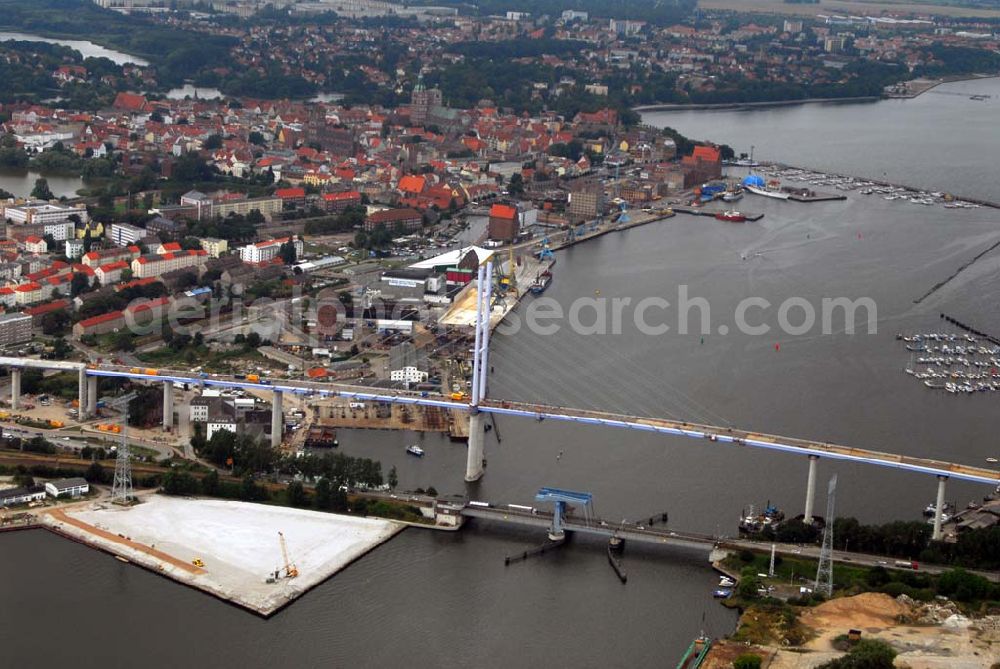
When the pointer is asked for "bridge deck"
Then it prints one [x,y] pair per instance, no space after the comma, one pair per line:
[710,433]
[597,527]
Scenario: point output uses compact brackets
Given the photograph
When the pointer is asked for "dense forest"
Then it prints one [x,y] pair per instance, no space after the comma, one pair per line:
[26,70]
[175,53]
[958,60]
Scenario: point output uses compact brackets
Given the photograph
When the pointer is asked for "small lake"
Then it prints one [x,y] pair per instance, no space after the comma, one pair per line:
[88,49]
[20,183]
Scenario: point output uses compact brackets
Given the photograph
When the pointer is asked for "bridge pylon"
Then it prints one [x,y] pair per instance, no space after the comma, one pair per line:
[480,370]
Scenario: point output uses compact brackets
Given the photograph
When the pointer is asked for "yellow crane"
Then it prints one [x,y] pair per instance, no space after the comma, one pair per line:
[290,570]
[508,281]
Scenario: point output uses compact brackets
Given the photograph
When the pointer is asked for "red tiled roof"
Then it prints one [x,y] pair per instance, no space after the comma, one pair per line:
[101,318]
[412,184]
[290,193]
[393,215]
[706,153]
[346,195]
[47,307]
[130,102]
[503,211]
[112,266]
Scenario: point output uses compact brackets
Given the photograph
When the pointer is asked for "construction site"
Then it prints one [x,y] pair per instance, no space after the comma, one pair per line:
[258,557]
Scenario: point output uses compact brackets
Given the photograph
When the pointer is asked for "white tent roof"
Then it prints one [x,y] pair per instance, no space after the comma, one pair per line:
[454,257]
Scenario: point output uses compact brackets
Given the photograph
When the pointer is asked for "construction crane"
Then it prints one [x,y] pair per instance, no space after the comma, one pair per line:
[290,569]
[508,281]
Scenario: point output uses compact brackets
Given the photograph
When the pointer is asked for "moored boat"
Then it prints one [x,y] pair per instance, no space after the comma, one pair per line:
[766,192]
[542,282]
[695,653]
[731,215]
[413,449]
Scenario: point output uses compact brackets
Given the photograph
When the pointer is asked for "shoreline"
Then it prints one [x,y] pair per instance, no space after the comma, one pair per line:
[670,107]
[785,166]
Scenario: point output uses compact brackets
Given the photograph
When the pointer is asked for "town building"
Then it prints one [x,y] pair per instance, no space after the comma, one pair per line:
[95,259]
[111,273]
[164,226]
[157,265]
[586,200]
[41,213]
[111,321]
[409,219]
[36,245]
[341,201]
[71,487]
[214,247]
[265,252]
[74,248]
[123,234]
[40,311]
[23,495]
[407,364]
[15,329]
[504,224]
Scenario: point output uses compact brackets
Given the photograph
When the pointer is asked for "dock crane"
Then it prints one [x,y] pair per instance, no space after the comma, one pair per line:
[291,571]
[508,282]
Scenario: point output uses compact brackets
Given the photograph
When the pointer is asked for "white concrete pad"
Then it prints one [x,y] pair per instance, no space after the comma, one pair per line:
[238,543]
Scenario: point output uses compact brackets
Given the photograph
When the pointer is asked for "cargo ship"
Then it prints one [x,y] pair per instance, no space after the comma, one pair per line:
[731,216]
[541,283]
[695,653]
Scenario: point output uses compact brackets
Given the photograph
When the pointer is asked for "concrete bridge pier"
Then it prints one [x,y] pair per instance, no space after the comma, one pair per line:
[15,388]
[82,407]
[168,405]
[556,531]
[277,419]
[811,491]
[474,458]
[91,398]
[939,508]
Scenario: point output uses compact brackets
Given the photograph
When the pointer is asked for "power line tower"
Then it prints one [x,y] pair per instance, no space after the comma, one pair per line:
[824,572]
[121,489]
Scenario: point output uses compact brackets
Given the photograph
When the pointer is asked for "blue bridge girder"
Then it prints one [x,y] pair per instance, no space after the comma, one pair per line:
[708,433]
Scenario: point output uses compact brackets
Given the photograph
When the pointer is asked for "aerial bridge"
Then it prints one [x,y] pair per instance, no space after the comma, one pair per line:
[478,406]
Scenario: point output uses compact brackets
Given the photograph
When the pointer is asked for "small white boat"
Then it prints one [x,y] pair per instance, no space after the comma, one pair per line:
[726,582]
[413,449]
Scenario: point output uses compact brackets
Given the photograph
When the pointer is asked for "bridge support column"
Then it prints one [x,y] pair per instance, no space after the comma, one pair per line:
[811,491]
[277,419]
[168,405]
[82,407]
[15,388]
[474,458]
[556,531]
[91,398]
[939,508]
